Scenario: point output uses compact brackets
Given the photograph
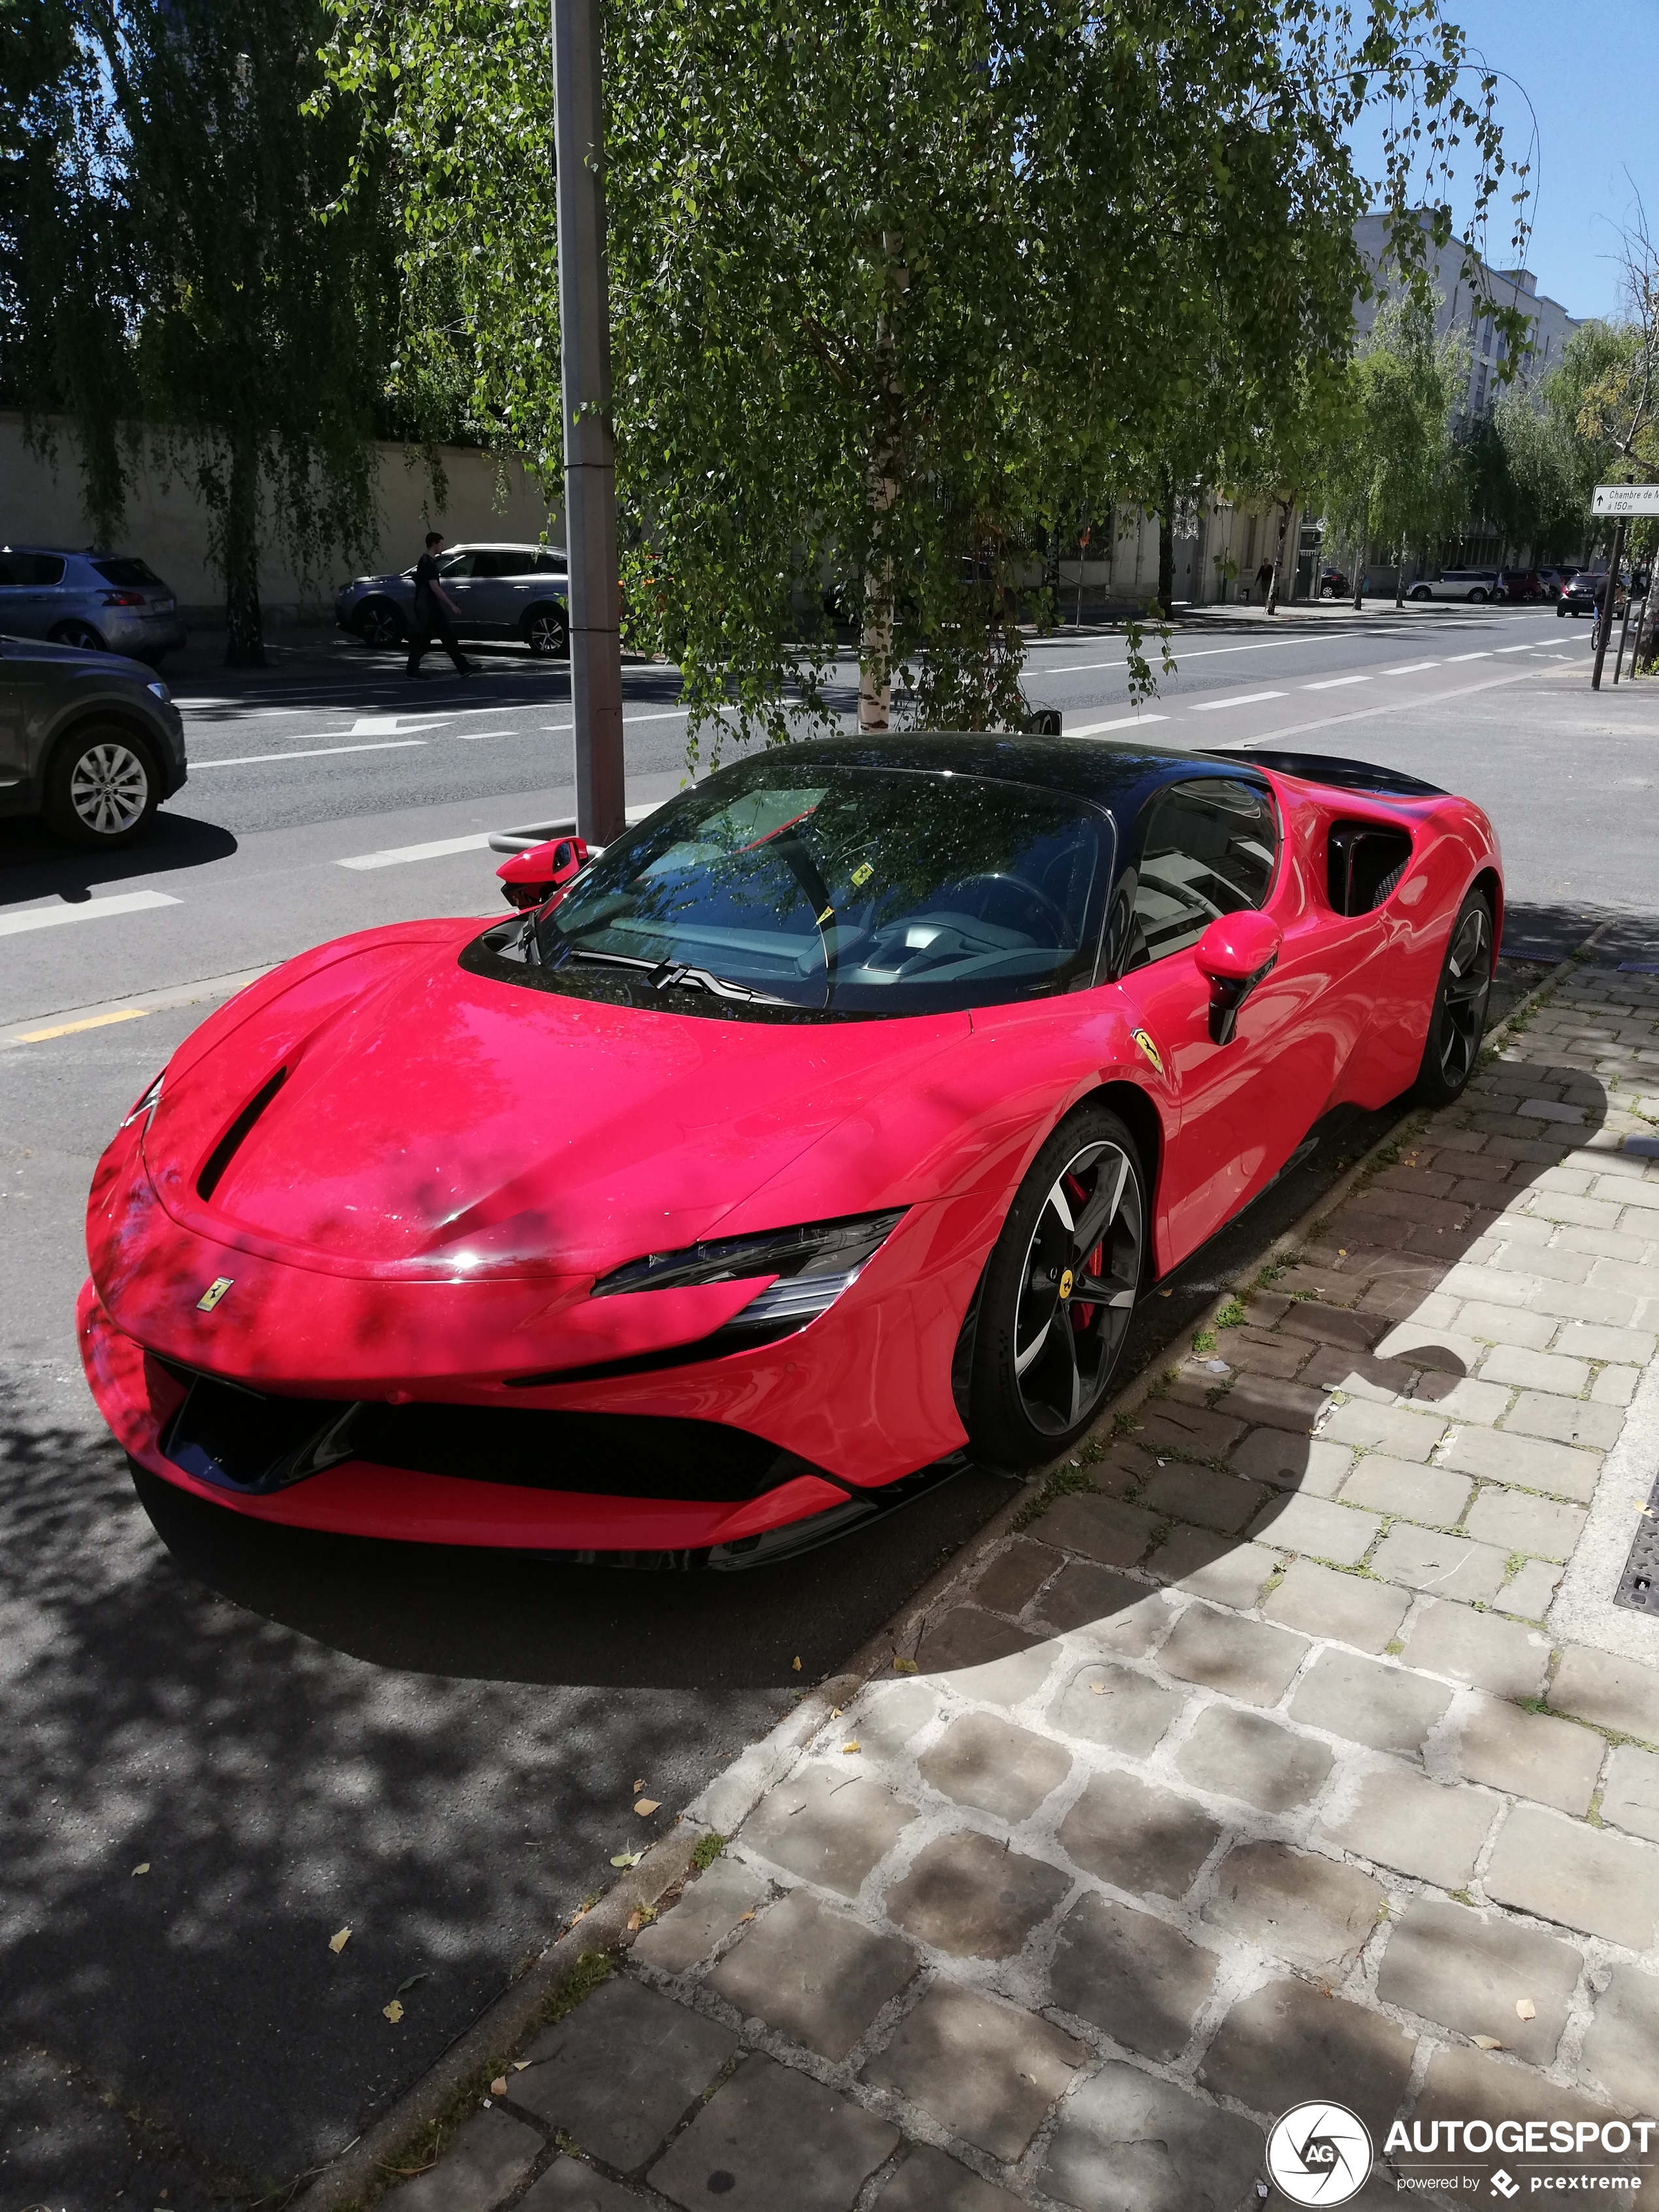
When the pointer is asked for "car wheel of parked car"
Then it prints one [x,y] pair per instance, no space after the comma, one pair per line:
[379,624]
[1459,1019]
[101,788]
[1059,1292]
[1477,597]
[547,632]
[81,636]
[1421,592]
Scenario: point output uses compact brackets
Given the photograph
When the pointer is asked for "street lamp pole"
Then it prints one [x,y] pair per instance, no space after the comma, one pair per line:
[590,461]
[1611,594]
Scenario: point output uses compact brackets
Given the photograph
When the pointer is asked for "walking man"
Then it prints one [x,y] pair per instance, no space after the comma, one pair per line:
[433,610]
[1264,577]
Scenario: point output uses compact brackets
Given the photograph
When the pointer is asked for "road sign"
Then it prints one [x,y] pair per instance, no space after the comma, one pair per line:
[1626,498]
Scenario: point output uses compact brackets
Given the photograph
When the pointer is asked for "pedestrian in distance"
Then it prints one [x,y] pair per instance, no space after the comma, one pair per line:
[1264,577]
[433,610]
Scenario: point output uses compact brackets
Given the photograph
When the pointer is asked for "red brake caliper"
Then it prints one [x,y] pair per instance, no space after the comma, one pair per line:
[1083,1313]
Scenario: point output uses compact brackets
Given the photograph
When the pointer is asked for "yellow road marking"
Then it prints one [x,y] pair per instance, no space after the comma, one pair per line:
[92,1021]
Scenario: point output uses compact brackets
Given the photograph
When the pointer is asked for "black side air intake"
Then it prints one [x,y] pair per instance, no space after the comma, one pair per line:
[231,1143]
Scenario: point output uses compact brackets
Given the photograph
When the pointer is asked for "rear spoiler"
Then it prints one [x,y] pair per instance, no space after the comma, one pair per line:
[1343,774]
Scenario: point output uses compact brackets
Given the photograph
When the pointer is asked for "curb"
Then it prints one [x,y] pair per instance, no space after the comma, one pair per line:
[726,1802]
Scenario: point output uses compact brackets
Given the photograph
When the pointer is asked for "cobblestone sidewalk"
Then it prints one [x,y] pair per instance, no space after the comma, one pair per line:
[1259,1769]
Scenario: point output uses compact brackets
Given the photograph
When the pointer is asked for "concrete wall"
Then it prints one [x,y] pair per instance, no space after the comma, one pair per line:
[40,504]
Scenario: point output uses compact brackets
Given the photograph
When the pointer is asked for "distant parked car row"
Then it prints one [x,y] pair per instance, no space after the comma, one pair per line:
[497,592]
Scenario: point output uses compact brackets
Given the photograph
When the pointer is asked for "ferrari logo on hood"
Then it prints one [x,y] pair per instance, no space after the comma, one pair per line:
[1150,1049]
[214,1291]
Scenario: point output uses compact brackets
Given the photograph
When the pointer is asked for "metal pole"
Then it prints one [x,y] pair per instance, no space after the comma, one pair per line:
[1606,623]
[590,461]
[1624,633]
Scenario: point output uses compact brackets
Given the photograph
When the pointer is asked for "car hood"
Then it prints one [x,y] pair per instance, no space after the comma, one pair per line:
[76,657]
[432,1123]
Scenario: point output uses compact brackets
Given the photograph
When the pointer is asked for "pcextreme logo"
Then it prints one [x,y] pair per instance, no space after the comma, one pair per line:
[1319,2153]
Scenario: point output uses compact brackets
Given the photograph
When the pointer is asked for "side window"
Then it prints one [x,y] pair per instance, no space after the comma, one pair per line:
[456,564]
[1209,849]
[550,564]
[504,561]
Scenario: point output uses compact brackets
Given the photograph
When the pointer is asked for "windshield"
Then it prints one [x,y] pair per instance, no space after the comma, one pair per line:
[837,889]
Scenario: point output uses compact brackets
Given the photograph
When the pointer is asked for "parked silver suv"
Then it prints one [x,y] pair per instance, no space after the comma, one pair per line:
[93,741]
[497,591]
[102,602]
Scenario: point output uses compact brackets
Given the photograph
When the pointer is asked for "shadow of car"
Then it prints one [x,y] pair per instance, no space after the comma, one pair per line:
[514,591]
[100,602]
[90,741]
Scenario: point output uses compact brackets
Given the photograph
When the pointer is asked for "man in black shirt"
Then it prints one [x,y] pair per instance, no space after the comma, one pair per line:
[433,611]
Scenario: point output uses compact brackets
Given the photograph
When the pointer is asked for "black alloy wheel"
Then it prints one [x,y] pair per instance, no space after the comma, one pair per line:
[379,624]
[81,636]
[1059,1292]
[1458,1021]
[101,788]
[547,633]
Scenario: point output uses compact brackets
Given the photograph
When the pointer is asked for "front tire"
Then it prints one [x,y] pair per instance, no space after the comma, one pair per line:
[1421,592]
[101,788]
[380,625]
[1458,1019]
[1045,1352]
[1477,598]
[547,633]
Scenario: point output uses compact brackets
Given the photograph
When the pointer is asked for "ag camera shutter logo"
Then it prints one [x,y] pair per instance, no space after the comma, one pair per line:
[1319,2153]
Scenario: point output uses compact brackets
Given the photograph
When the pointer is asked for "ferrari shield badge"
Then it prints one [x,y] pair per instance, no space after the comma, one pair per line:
[1150,1049]
[214,1291]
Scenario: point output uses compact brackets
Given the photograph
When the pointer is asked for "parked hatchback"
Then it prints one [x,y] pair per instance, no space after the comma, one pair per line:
[91,741]
[496,591]
[100,602]
[1520,585]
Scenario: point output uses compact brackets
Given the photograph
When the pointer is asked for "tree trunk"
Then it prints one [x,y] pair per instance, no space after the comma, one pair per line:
[1284,510]
[1166,544]
[245,643]
[1362,553]
[1400,577]
[876,638]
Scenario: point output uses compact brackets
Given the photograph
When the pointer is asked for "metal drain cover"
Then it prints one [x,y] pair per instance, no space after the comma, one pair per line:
[1639,1586]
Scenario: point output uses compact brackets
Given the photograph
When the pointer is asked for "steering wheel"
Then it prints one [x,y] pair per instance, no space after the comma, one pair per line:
[1039,899]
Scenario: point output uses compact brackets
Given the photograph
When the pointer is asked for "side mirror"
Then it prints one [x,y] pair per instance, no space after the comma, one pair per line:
[1236,952]
[530,879]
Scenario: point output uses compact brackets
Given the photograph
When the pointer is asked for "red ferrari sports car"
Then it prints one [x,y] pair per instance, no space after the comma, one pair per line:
[828,1124]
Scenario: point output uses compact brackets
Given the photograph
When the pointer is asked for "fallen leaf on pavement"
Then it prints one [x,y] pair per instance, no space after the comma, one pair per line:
[404,1988]
[647,1806]
[1485,2043]
[851,1747]
[636,1922]
[906,1667]
[627,1858]
[519,2065]
[1102,1689]
[1525,2008]
[142,1866]
[393,2012]
[498,2087]
[337,1941]
[742,1916]
[794,1665]
[639,1784]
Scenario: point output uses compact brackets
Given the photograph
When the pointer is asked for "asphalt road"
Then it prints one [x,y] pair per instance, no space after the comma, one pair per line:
[294,1735]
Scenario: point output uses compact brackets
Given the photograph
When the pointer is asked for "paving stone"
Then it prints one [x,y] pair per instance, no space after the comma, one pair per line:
[1258,1351]
[619,2071]
[770,2137]
[568,2185]
[1015,1576]
[1290,1462]
[1190,1428]
[1629,1348]
[1116,1707]
[1502,1324]
[1502,1456]
[1115,1613]
[1630,1795]
[491,2153]
[1267,1398]
[1616,1386]
[984,1760]
[1138,1836]
[1417,1343]
[1407,1487]
[1120,1467]
[1321,1324]
[1532,1754]
[1564,1206]
[1585,1878]
[985,1657]
[1604,1243]
[1288,2042]
[1102,1528]
[1129,2142]
[1586,1302]
[826,1828]
[1478,1649]
[1383,1706]
[1543,1263]
[813,1972]
[985,2071]
[967,1895]
[1621,1694]
[1401,1820]
[929,2182]
[1244,1755]
[1244,1659]
[1200,1494]
[1349,1608]
[1621,2049]
[1460,1397]
[1535,1371]
[1566,1420]
[1312,1911]
[1643,1282]
[1453,1966]
[1463,2084]
[1224,1569]
[1137,1978]
[887,1715]
[709,1908]
[1448,1566]
[1391,1429]
[1529,1591]
[1515,1521]
[1292,1521]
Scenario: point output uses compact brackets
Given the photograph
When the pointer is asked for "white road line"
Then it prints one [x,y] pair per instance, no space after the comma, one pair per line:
[1452,659]
[1250,699]
[471,737]
[379,726]
[1336,682]
[1209,651]
[98,909]
[1411,668]
[313,752]
[1126,722]
[1515,648]
[395,855]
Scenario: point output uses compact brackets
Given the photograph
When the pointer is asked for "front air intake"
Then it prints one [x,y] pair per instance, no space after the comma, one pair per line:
[231,1143]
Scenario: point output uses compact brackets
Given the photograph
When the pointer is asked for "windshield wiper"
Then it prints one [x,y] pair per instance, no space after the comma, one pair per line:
[610,959]
[670,976]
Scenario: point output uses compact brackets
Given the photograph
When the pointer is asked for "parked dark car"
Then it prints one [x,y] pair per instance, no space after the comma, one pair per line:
[102,602]
[90,740]
[1520,585]
[1334,585]
[496,591]
[1584,593]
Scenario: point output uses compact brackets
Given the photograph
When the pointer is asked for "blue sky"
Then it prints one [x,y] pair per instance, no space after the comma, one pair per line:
[1590,74]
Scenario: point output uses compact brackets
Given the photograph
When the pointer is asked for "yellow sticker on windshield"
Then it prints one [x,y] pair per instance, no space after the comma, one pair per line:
[862,874]
[1150,1049]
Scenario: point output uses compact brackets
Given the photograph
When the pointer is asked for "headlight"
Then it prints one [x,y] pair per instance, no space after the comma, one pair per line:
[159,691]
[814,1251]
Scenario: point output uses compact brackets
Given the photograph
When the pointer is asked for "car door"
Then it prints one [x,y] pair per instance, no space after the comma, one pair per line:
[456,574]
[506,575]
[28,604]
[1208,847]
[14,748]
